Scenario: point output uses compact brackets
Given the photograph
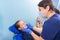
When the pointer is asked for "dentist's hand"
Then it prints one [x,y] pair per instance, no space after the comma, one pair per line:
[39,19]
[27,30]
[29,26]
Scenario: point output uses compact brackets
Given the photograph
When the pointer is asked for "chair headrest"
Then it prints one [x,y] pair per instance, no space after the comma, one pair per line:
[13,29]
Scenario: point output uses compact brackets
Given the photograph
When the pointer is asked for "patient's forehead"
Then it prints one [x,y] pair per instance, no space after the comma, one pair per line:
[21,22]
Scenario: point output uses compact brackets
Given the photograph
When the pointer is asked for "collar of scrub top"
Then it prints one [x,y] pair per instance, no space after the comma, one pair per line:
[55,15]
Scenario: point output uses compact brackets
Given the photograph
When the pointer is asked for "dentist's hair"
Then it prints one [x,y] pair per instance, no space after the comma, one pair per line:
[45,3]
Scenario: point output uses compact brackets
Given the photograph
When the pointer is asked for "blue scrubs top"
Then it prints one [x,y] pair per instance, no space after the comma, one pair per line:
[51,28]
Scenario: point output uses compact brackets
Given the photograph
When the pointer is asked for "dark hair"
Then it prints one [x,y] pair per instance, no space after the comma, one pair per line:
[17,25]
[45,3]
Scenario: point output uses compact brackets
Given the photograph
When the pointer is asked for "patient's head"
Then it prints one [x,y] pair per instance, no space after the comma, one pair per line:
[20,24]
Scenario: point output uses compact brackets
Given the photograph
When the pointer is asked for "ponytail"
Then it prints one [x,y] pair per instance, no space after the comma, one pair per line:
[57,11]
[45,3]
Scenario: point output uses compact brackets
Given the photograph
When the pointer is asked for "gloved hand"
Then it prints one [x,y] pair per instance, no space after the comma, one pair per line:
[29,26]
[27,30]
[38,21]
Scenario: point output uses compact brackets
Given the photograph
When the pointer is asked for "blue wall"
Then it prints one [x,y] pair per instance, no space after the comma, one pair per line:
[13,10]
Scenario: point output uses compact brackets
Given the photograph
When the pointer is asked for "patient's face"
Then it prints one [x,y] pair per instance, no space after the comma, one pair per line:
[22,24]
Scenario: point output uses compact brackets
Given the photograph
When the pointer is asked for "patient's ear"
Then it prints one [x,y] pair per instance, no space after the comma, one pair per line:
[19,28]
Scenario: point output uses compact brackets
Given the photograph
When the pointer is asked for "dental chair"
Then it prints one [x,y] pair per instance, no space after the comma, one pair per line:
[19,36]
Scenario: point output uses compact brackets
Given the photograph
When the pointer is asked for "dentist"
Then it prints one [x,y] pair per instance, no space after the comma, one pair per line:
[51,27]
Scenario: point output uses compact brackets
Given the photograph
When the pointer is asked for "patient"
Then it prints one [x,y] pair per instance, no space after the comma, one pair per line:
[19,25]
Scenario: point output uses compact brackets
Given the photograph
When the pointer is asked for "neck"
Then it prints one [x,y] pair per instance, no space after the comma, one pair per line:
[50,14]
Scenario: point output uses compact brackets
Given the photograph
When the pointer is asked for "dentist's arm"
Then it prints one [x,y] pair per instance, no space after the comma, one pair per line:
[39,30]
[36,37]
